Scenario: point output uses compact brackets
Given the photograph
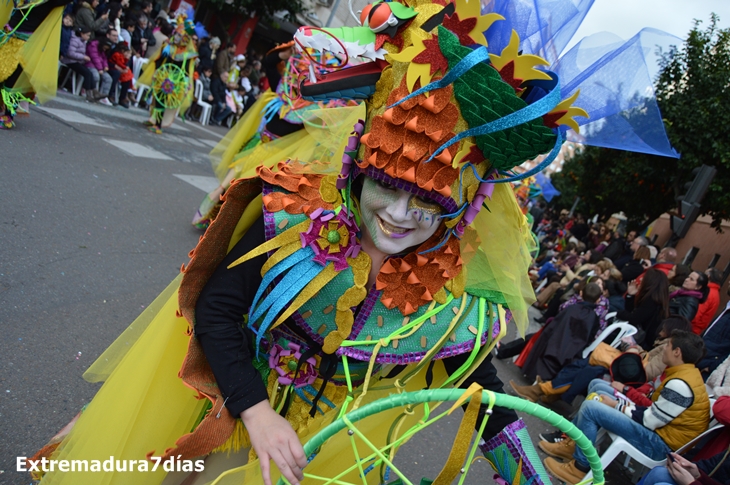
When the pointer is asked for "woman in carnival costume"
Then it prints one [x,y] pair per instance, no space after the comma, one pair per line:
[170,76]
[280,115]
[29,46]
[323,286]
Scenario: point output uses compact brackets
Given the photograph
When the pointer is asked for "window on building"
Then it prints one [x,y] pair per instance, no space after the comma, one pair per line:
[690,256]
[713,262]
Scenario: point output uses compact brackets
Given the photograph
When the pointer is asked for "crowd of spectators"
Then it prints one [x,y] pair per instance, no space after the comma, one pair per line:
[103,42]
[651,390]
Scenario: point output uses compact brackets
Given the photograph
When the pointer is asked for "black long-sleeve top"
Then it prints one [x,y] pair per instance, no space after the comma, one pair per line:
[220,326]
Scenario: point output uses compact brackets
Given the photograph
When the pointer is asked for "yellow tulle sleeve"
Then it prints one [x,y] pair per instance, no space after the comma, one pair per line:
[225,151]
[323,140]
[502,262]
[39,58]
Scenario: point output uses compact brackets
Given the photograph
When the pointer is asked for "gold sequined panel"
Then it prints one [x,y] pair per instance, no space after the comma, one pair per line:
[9,56]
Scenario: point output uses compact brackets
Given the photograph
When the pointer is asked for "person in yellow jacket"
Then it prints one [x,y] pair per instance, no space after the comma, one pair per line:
[677,412]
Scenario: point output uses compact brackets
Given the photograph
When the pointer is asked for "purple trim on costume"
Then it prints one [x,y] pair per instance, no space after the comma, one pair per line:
[446,202]
[365,310]
[410,357]
[510,431]
[269,221]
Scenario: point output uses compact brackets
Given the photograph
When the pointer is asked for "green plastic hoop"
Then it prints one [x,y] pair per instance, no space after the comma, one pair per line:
[432,395]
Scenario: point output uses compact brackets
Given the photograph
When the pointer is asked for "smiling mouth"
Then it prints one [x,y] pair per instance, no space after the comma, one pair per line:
[392,231]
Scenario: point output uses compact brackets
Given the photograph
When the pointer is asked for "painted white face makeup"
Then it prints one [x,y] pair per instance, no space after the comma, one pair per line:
[396,219]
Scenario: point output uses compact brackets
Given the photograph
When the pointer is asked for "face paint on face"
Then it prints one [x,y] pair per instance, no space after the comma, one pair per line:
[395,219]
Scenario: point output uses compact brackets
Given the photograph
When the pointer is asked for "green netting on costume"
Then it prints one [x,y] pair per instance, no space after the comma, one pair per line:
[11,100]
[365,463]
[170,86]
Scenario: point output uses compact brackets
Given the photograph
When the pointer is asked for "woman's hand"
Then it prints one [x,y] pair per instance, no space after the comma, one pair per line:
[633,288]
[273,438]
[683,471]
[619,386]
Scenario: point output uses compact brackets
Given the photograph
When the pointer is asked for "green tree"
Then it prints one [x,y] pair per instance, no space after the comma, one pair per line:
[693,93]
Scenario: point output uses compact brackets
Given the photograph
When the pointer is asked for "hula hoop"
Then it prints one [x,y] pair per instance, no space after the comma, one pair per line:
[503,400]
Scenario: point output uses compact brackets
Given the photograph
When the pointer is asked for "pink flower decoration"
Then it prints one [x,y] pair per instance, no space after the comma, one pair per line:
[285,362]
[332,237]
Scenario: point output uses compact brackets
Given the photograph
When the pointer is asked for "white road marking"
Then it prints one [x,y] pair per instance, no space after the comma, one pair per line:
[137,150]
[210,143]
[206,184]
[72,116]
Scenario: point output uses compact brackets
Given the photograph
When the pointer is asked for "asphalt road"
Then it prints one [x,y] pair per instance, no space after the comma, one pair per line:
[93,226]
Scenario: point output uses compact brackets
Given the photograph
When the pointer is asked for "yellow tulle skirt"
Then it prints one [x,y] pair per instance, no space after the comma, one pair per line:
[143,406]
[38,56]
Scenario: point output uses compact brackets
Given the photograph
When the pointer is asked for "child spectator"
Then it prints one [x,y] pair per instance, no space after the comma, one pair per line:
[99,68]
[218,90]
[67,30]
[119,61]
[130,26]
[76,58]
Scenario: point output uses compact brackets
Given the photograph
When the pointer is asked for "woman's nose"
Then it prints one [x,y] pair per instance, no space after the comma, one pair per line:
[398,210]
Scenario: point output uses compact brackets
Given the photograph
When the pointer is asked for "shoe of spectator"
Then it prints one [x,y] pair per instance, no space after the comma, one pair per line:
[531,393]
[563,449]
[548,398]
[90,96]
[105,101]
[124,104]
[567,472]
[555,437]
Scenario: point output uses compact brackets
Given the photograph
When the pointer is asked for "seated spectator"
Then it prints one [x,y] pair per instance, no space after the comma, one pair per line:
[617,246]
[664,261]
[677,275]
[86,18]
[565,337]
[130,27]
[602,304]
[686,300]
[76,59]
[634,242]
[673,415]
[218,90]
[708,308]
[98,65]
[67,30]
[573,379]
[120,61]
[206,73]
[717,342]
[614,290]
[646,305]
[142,38]
[640,263]
[680,471]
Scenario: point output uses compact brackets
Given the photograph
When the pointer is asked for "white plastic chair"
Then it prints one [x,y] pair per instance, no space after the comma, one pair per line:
[77,80]
[141,88]
[206,107]
[137,64]
[625,330]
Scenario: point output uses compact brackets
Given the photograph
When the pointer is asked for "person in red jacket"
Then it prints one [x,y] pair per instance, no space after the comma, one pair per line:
[708,308]
[120,61]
